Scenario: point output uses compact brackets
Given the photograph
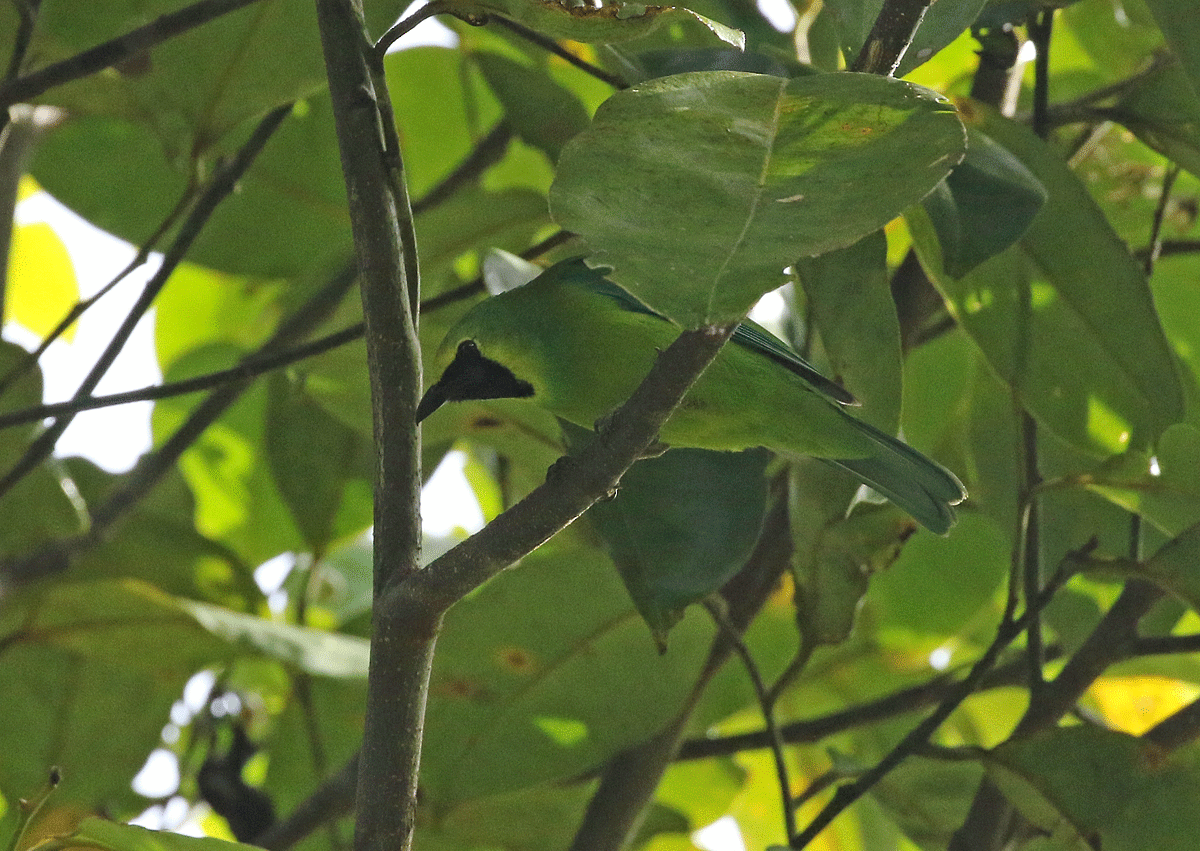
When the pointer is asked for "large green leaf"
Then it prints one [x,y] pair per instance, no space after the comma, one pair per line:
[983,206]
[315,458]
[1179,23]
[547,671]
[1163,109]
[1109,788]
[1065,317]
[193,89]
[851,305]
[90,670]
[681,525]
[542,111]
[700,188]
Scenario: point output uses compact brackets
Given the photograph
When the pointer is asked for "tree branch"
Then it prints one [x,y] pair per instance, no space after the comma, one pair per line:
[1010,628]
[115,51]
[381,221]
[55,556]
[629,780]
[223,181]
[890,36]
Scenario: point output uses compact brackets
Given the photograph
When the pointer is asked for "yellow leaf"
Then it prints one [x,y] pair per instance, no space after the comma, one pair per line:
[27,187]
[1135,704]
[41,280]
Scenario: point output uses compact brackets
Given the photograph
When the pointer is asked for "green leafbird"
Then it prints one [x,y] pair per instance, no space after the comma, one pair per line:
[578,345]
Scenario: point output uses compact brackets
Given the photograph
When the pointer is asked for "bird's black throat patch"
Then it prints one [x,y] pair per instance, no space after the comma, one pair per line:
[472,376]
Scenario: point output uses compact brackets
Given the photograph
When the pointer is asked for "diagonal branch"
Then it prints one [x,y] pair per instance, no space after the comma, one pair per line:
[222,184]
[55,557]
[115,50]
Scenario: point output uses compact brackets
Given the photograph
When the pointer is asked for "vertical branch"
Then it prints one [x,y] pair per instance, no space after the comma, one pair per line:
[381,218]
[890,36]
[1040,29]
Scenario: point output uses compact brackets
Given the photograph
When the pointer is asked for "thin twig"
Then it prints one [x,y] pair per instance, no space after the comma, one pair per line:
[266,359]
[404,27]
[222,184]
[1009,629]
[115,51]
[549,44]
[29,361]
[1155,246]
[249,367]
[331,800]
[720,616]
[900,702]
[487,152]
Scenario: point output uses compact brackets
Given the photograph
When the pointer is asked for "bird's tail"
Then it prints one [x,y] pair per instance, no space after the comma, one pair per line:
[923,488]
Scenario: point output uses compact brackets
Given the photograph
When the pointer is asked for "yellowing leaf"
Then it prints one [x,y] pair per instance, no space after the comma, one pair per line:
[27,188]
[41,280]
[1135,704]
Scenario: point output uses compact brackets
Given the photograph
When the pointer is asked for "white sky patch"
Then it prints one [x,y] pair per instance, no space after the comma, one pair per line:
[939,659]
[159,776]
[722,835]
[447,501]
[780,13]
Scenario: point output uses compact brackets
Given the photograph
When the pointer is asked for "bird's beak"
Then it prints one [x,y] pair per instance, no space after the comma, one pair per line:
[433,399]
[472,376]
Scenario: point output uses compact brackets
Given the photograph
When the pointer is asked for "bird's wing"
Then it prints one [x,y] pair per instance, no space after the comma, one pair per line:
[757,338]
[749,334]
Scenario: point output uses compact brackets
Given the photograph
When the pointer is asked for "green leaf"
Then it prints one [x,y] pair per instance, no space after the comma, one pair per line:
[1111,789]
[700,188]
[1163,109]
[1177,20]
[159,544]
[546,672]
[943,22]
[928,799]
[1091,361]
[110,836]
[42,506]
[442,119]
[927,593]
[90,670]
[1169,497]
[983,206]
[836,555]
[610,24]
[1176,567]
[542,111]
[681,525]
[313,456]
[237,502]
[193,89]
[851,305]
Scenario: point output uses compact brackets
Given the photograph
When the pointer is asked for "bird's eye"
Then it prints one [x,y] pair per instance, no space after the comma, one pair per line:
[468,347]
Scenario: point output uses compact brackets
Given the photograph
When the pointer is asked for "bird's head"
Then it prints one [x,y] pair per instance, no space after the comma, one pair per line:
[470,375]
